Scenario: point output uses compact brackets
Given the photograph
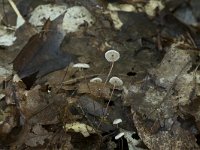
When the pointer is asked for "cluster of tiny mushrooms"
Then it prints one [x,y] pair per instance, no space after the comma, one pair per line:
[111,56]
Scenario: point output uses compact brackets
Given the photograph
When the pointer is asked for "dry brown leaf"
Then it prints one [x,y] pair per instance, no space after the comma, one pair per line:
[95,89]
[33,101]
[176,138]
[92,107]
[38,136]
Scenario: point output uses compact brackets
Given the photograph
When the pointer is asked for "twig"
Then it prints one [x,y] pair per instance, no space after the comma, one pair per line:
[6,18]
[191,40]
[15,8]
[79,78]
[17,12]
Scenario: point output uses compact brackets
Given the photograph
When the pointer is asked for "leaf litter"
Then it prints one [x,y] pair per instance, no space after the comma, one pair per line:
[50,104]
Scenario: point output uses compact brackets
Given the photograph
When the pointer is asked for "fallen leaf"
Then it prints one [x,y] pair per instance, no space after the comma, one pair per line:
[176,137]
[84,129]
[95,89]
[46,12]
[38,136]
[92,107]
[76,16]
[42,55]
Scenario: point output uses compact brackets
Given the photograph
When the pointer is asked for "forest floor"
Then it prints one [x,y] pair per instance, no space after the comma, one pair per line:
[58,90]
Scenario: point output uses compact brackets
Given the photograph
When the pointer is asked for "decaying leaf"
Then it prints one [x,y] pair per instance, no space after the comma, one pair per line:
[185,87]
[121,7]
[6,38]
[43,12]
[82,128]
[174,80]
[5,71]
[152,6]
[37,136]
[91,106]
[7,34]
[41,107]
[73,18]
[116,21]
[33,102]
[176,138]
[76,16]
[41,54]
[178,60]
[2,95]
[95,89]
[160,74]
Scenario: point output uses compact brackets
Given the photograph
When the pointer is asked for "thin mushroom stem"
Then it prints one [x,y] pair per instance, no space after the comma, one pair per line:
[112,65]
[109,100]
[105,112]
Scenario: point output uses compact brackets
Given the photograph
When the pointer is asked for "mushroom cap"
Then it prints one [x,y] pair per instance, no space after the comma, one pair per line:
[118,136]
[112,55]
[96,80]
[81,65]
[117,121]
[116,81]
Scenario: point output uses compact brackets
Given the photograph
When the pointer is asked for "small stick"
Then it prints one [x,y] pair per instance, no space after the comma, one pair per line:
[71,81]
[16,10]
[191,40]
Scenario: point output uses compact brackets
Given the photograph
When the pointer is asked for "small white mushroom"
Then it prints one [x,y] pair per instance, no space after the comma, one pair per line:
[81,65]
[48,91]
[116,81]
[118,136]
[112,55]
[117,121]
[96,80]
